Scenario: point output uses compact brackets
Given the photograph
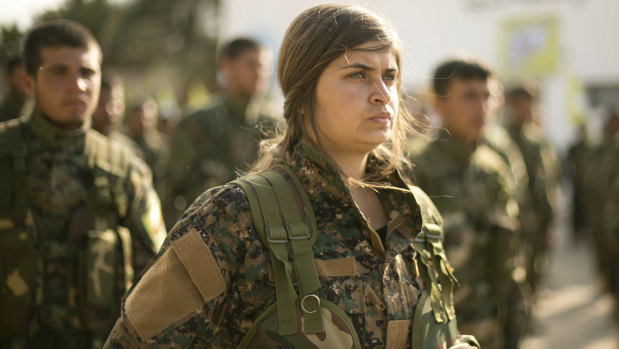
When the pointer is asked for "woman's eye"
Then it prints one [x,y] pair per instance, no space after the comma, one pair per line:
[389,77]
[357,75]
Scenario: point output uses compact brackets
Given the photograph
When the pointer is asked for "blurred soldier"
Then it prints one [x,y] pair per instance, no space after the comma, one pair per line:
[498,139]
[575,166]
[153,144]
[542,167]
[602,200]
[108,115]
[470,184]
[78,215]
[14,104]
[210,145]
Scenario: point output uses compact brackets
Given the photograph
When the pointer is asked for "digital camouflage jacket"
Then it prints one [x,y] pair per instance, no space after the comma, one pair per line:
[474,190]
[213,277]
[207,149]
[78,216]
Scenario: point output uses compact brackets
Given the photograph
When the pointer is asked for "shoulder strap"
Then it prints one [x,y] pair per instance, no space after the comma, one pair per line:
[109,163]
[15,136]
[436,271]
[283,217]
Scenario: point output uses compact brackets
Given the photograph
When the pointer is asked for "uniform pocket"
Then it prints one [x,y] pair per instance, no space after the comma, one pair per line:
[106,274]
[18,264]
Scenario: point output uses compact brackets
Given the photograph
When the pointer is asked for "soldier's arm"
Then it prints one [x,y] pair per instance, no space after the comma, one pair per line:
[144,218]
[179,300]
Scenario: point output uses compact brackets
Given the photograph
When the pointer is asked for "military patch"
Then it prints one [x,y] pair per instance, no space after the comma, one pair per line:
[164,296]
[397,333]
[336,267]
[200,264]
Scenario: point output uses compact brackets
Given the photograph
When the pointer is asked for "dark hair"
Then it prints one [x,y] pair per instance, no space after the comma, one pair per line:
[12,63]
[233,49]
[316,38]
[56,33]
[529,89]
[110,79]
[458,68]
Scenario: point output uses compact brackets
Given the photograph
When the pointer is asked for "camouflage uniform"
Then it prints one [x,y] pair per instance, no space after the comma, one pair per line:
[473,191]
[12,110]
[78,216]
[602,196]
[207,148]
[576,164]
[521,300]
[213,277]
[153,145]
[543,170]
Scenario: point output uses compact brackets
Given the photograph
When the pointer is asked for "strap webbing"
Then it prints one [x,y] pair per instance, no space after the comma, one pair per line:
[276,239]
[283,217]
[435,268]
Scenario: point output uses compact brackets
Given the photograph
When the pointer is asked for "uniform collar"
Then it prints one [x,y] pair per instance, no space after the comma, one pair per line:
[52,135]
[236,107]
[454,149]
[332,200]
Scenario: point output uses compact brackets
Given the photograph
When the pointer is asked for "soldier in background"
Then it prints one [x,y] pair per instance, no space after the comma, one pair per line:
[15,100]
[575,166]
[78,214]
[521,117]
[152,143]
[108,115]
[602,200]
[472,188]
[209,146]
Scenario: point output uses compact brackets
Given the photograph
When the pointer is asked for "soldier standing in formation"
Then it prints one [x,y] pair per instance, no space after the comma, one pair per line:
[152,143]
[78,215]
[211,145]
[542,168]
[369,268]
[107,117]
[601,196]
[15,100]
[473,189]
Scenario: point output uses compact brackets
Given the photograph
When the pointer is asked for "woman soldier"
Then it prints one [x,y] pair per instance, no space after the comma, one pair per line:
[345,255]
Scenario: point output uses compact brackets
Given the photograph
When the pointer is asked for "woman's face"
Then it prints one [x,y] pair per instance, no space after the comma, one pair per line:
[357,101]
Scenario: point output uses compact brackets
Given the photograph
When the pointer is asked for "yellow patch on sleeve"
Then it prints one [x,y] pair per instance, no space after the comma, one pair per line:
[164,296]
[199,262]
[152,220]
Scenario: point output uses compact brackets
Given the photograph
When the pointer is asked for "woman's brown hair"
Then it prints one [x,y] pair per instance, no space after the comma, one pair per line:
[315,38]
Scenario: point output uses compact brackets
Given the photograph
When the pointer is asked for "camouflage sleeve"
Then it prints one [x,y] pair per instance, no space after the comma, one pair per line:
[180,300]
[144,218]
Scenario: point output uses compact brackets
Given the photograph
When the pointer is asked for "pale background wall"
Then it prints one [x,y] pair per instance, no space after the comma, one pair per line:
[434,30]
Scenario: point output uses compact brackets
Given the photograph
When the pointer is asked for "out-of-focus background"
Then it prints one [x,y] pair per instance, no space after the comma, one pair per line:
[167,49]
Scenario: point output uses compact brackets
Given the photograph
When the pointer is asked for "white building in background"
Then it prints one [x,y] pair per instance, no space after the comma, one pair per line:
[570,46]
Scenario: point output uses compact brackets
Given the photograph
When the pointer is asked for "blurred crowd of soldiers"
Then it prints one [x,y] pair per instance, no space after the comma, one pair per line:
[488,168]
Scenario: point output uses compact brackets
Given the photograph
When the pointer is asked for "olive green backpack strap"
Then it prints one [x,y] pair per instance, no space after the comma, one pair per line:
[434,321]
[109,166]
[14,182]
[283,217]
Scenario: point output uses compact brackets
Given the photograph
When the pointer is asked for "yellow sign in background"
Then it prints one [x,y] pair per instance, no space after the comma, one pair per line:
[529,47]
